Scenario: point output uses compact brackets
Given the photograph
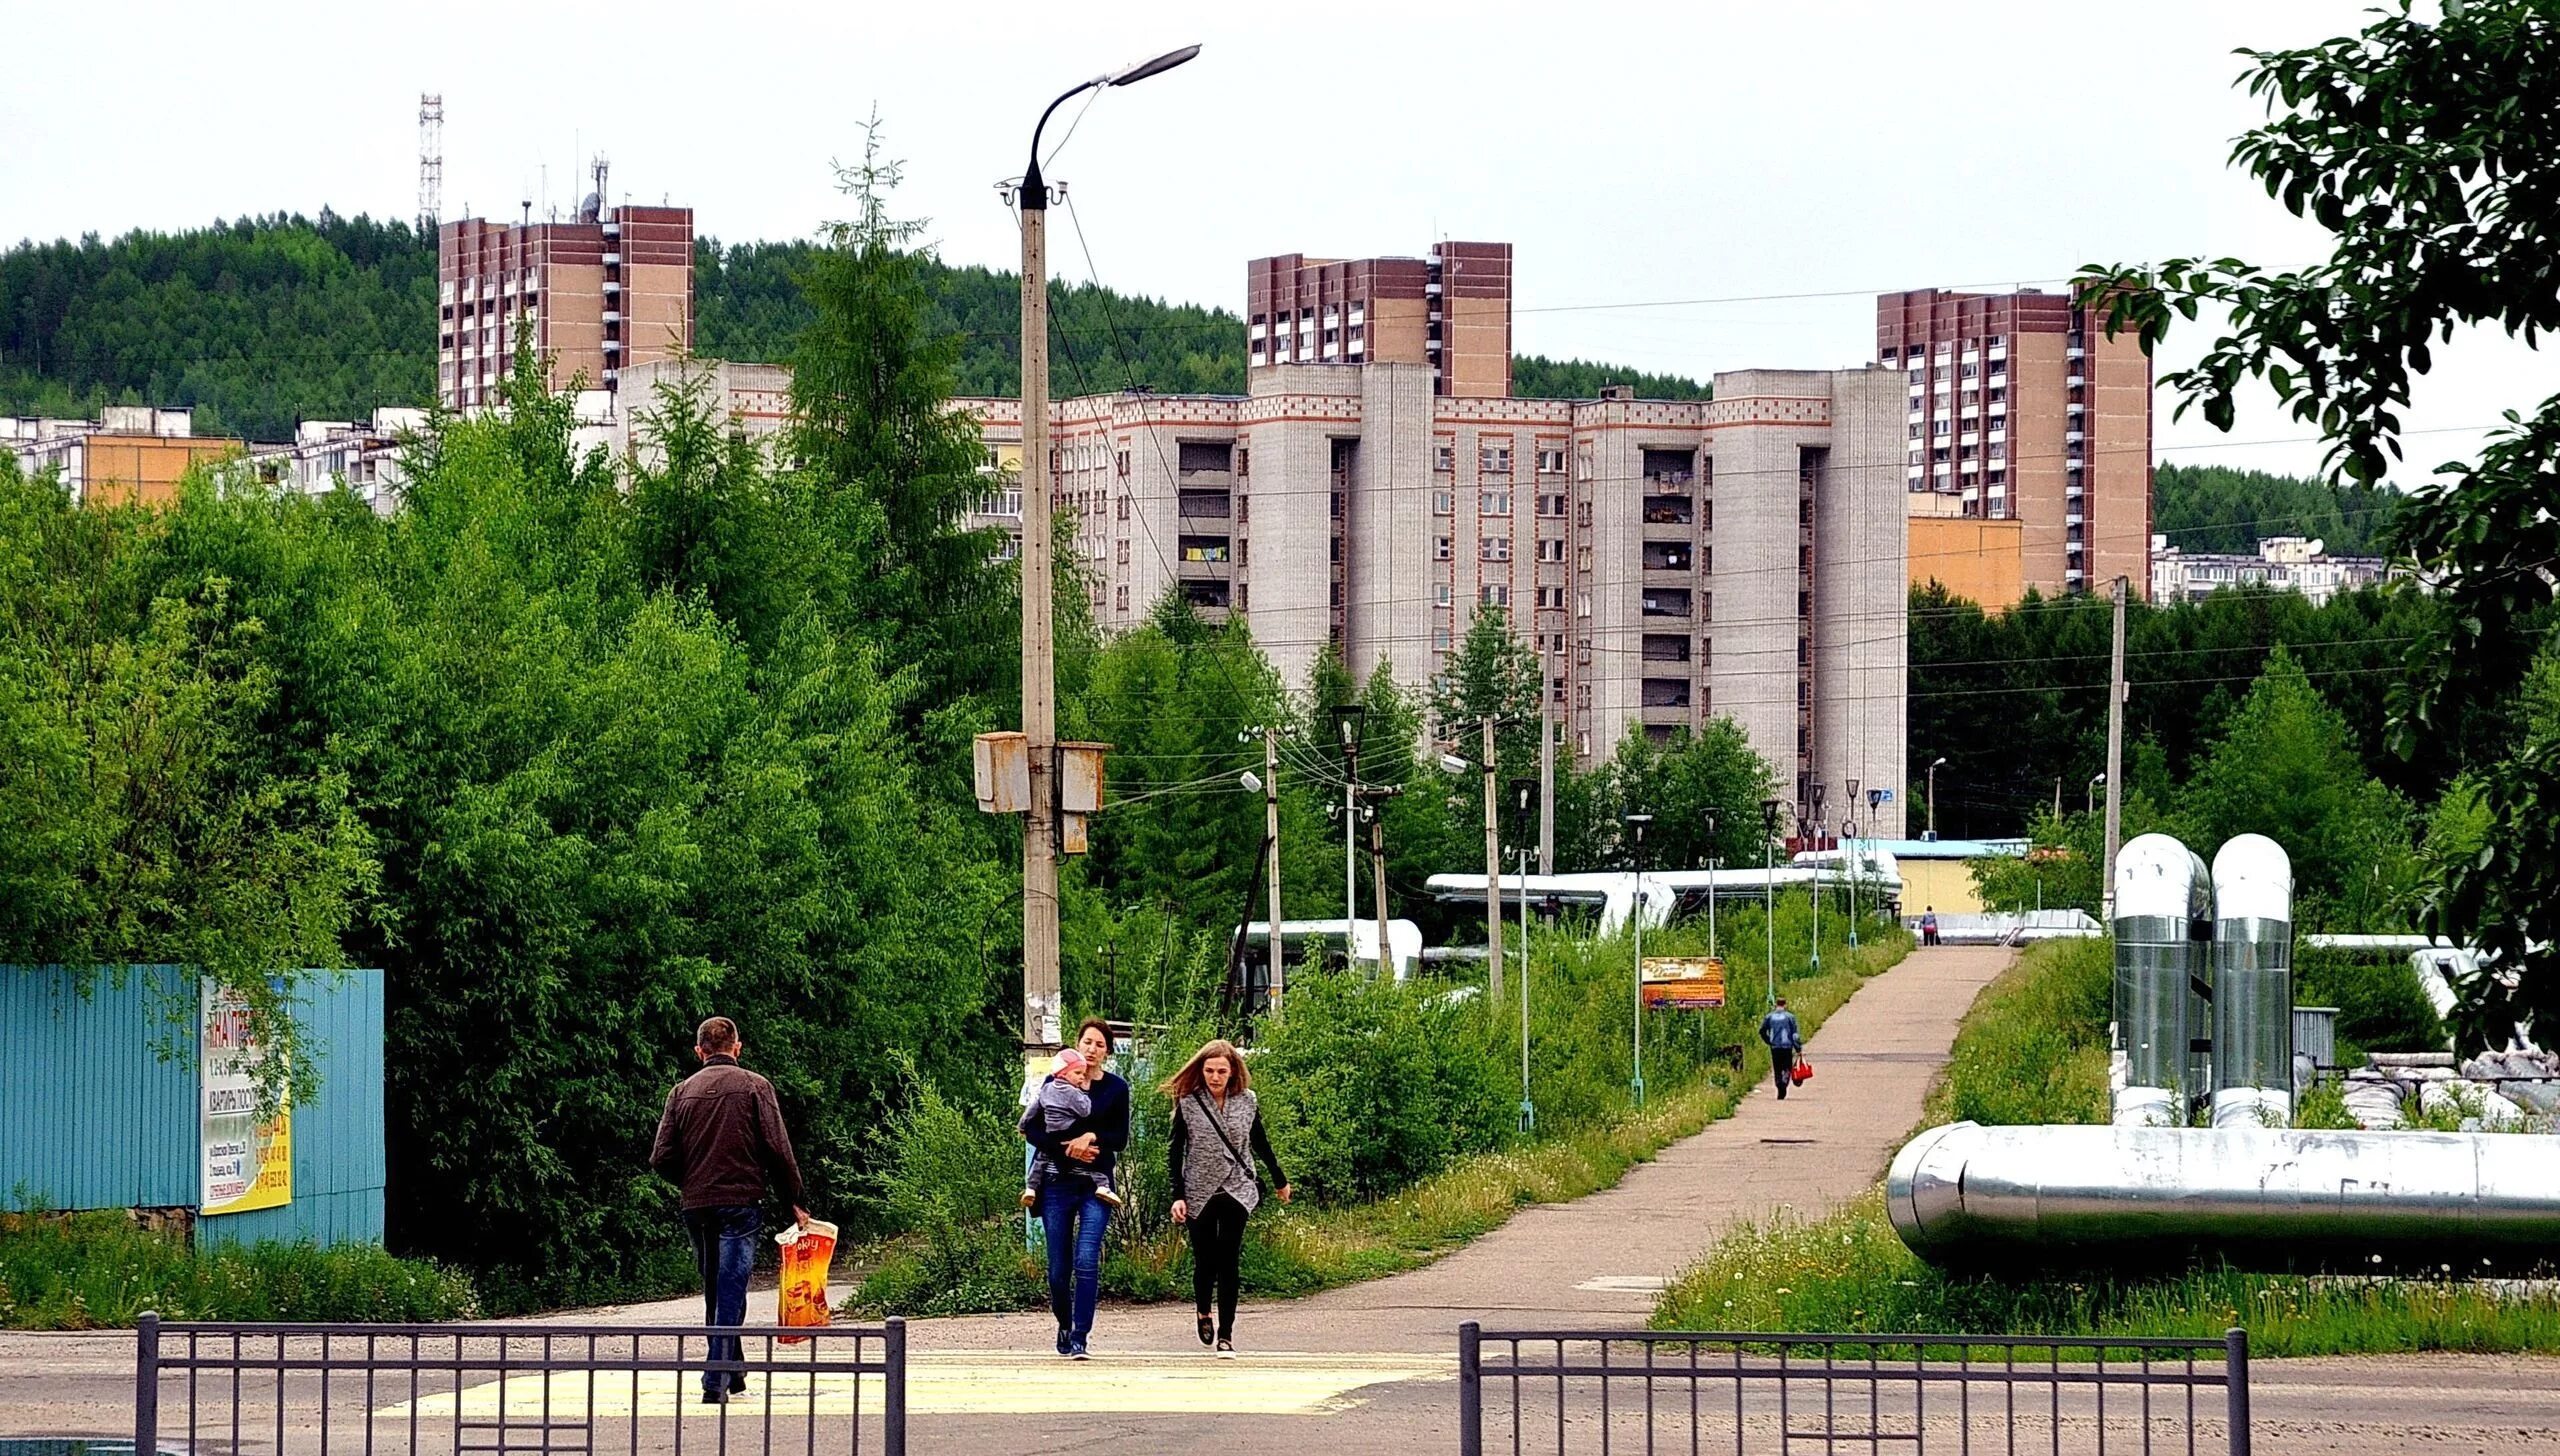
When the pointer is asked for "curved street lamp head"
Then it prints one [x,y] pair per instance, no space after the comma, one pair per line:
[1131,75]
[1941,763]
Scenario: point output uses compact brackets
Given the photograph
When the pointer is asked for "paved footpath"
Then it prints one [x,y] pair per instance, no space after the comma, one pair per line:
[1371,1367]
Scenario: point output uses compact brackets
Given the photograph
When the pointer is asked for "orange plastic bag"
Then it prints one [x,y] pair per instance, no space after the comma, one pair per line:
[805,1256]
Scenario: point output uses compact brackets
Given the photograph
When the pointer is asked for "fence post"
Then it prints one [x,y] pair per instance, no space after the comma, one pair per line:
[146,1384]
[2235,1371]
[1470,1389]
[893,1409]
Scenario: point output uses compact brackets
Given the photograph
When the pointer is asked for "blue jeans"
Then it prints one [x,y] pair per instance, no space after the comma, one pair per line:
[724,1249]
[1075,1221]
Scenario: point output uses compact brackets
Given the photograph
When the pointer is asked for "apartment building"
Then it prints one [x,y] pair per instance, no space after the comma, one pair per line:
[2019,407]
[2281,563]
[129,453]
[1449,311]
[596,295]
[1672,561]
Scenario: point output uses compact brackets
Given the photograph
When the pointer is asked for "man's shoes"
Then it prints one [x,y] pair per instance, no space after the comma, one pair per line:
[1066,1342]
[1077,1351]
[715,1397]
[737,1384]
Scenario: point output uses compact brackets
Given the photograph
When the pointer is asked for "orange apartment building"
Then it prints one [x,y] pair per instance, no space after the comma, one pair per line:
[612,289]
[2021,410]
[130,453]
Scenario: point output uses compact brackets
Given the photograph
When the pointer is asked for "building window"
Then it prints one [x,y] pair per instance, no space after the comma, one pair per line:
[1124,508]
[1124,551]
[1120,599]
[1551,549]
[1439,548]
[1440,639]
[1493,502]
[1494,594]
[1551,599]
[1551,462]
[1444,458]
[1443,502]
[1551,506]
[1493,459]
[1493,548]
[1439,594]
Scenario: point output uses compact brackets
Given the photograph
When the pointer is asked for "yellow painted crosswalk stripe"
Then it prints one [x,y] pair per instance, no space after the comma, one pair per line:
[953,1384]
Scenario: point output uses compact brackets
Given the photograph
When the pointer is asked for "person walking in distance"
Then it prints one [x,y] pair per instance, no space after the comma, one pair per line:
[1216,1120]
[1929,926]
[1778,1029]
[720,1138]
[1073,1214]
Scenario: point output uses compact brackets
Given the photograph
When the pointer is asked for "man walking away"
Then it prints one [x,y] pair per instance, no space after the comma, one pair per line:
[720,1138]
[1929,926]
[1778,1029]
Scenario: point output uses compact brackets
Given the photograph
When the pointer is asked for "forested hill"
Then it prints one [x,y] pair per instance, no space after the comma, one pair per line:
[2217,508]
[264,321]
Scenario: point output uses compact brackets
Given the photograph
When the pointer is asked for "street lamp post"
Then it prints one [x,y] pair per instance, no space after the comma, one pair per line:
[1933,796]
[1524,791]
[1711,882]
[1813,887]
[1769,890]
[2090,803]
[1040,1001]
[1851,861]
[1635,828]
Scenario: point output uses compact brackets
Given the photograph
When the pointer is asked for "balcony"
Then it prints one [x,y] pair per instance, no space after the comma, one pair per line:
[1668,556]
[1665,647]
[1202,505]
[2075,380]
[2075,352]
[1669,510]
[1663,601]
[613,260]
[2074,437]
[1196,552]
[1666,692]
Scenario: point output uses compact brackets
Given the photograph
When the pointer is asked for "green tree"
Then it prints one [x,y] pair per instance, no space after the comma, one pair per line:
[1691,781]
[2422,145]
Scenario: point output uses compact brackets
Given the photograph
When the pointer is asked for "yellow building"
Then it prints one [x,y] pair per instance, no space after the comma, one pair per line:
[1982,560]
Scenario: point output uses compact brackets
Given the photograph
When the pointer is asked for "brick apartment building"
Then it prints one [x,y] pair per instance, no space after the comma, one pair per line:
[1450,311]
[599,294]
[2021,409]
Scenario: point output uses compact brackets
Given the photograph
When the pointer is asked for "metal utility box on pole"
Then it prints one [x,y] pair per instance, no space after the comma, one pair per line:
[1492,872]
[2115,761]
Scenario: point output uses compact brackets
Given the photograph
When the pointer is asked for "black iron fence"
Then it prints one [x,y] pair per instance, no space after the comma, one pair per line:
[1555,1391]
[518,1390]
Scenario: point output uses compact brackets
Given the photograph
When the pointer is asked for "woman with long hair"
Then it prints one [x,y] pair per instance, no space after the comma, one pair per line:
[1216,1135]
[1072,1212]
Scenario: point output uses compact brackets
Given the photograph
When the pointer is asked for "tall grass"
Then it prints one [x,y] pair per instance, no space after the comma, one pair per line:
[2034,1047]
[98,1270]
[1848,1272]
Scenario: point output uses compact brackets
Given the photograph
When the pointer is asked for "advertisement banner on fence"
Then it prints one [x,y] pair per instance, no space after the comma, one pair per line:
[246,1163]
[1683,983]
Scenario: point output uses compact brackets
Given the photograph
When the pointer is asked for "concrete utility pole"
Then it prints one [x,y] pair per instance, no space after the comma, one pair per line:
[1271,831]
[1492,872]
[1040,1008]
[1546,761]
[2115,761]
[1378,875]
[1635,828]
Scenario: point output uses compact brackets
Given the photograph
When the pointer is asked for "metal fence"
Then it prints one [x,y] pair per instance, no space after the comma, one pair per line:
[1558,1391]
[518,1390]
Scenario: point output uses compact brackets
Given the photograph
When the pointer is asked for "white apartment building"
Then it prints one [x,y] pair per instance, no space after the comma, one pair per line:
[2283,563]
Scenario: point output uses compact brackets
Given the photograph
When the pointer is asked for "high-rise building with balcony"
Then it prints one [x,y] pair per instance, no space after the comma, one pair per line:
[1449,311]
[2019,407]
[596,295]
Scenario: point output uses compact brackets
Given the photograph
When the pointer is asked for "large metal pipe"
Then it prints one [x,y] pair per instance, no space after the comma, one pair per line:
[2164,922]
[2269,1198]
[2252,984]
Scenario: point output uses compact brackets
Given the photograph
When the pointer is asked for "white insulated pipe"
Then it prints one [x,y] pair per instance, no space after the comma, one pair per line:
[2164,921]
[2252,984]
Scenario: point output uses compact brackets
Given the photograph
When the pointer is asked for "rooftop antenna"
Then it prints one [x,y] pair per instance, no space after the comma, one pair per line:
[430,160]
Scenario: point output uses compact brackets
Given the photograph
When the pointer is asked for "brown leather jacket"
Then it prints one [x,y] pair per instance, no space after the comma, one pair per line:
[722,1135]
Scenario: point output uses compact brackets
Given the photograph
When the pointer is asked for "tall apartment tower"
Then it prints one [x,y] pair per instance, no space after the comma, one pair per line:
[610,290]
[2021,408]
[1450,311]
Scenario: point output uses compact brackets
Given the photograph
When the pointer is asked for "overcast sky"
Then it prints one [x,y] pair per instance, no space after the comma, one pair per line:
[1640,157]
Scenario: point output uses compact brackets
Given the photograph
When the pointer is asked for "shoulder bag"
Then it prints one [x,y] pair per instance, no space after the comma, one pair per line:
[1220,1128]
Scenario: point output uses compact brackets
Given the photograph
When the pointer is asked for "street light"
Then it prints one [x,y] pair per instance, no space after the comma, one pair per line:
[1635,829]
[1769,890]
[1040,1003]
[1933,796]
[1711,882]
[2090,804]
[1850,861]
[1813,886]
[1523,792]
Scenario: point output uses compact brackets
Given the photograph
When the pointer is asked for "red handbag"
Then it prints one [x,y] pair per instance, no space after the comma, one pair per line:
[1803,1073]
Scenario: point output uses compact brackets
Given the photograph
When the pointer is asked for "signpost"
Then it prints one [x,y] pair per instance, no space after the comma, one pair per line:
[1683,983]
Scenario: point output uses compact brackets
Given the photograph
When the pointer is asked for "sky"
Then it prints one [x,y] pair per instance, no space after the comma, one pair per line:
[1687,187]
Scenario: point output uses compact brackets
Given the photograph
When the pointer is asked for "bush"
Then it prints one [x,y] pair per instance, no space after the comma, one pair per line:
[99,1270]
[2381,1007]
[951,1176]
[2034,1047]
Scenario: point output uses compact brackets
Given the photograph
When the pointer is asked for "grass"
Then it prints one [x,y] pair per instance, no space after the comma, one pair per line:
[85,1271]
[1300,1250]
[1848,1272]
[2032,1050]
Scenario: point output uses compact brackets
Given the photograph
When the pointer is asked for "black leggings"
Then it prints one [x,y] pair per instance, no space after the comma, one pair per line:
[1217,1241]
